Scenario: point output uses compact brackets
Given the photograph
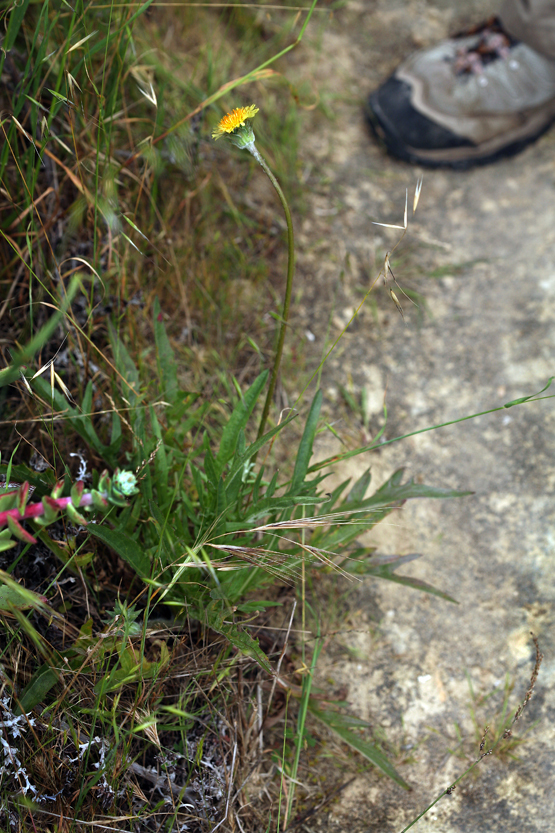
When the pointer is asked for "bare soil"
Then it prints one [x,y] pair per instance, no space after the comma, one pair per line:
[480,255]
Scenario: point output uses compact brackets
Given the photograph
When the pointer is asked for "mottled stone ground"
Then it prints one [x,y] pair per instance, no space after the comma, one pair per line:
[484,334]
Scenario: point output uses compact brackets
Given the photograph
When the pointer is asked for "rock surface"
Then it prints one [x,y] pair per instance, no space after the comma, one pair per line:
[480,257]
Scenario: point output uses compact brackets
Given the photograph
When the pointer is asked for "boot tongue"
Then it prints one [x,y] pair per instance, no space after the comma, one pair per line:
[493,43]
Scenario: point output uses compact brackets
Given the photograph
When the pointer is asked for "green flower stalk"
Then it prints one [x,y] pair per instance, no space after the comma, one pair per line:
[14,507]
[237,128]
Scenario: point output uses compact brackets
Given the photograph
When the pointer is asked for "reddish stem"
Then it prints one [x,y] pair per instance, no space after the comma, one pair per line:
[35,510]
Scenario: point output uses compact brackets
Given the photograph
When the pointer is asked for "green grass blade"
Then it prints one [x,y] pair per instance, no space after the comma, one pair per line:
[523,400]
[16,19]
[25,356]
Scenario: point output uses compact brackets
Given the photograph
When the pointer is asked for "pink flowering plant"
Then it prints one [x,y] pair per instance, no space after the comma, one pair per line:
[15,506]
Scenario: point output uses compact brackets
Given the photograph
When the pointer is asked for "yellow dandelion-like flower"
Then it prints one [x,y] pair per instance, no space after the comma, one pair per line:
[231,121]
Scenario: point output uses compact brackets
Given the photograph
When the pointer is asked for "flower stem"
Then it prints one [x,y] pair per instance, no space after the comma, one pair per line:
[288,286]
[36,510]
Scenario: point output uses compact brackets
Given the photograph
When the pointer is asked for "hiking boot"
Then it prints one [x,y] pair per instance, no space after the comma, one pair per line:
[467,101]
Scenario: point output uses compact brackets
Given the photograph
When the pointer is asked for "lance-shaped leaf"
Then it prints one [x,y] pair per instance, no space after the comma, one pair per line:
[15,596]
[22,496]
[37,688]
[76,493]
[384,566]
[18,532]
[343,725]
[75,516]
[57,490]
[8,501]
[99,501]
[237,422]
[395,491]
[6,542]
[126,547]
[50,512]
[239,638]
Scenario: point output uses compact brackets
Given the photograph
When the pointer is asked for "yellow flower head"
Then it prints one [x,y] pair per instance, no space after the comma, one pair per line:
[235,119]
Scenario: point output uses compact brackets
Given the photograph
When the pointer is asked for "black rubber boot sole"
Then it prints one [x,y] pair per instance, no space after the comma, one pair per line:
[422,141]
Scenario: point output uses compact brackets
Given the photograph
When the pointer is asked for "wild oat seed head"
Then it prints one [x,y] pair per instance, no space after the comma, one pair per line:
[231,121]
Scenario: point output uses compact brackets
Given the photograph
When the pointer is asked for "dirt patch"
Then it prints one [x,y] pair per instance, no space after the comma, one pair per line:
[480,261]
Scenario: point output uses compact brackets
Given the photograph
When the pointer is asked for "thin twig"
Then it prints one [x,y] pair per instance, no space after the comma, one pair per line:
[230,787]
[280,660]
